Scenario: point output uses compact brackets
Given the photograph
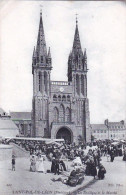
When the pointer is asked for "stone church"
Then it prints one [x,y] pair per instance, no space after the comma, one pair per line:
[60,109]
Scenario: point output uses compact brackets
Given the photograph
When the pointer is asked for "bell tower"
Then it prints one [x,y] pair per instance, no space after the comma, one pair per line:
[41,69]
[77,74]
[77,66]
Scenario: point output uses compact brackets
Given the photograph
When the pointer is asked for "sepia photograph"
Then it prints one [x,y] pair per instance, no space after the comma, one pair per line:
[62,97]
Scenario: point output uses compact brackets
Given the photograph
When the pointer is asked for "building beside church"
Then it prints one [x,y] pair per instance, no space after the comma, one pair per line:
[109,130]
[7,126]
[60,109]
[99,131]
[23,122]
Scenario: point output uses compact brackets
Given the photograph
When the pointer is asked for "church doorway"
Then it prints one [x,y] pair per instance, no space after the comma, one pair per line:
[64,133]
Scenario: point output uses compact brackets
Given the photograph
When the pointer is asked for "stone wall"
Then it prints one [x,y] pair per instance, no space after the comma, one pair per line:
[5,152]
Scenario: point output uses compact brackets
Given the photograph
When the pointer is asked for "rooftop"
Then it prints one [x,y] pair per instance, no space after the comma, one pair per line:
[99,127]
[20,115]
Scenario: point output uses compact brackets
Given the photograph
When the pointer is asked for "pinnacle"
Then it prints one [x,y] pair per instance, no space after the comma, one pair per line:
[85,54]
[49,53]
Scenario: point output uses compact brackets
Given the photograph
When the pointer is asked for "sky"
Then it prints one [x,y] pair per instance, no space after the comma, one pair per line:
[102,28]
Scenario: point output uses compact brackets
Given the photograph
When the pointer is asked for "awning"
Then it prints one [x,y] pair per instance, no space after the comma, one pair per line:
[115,143]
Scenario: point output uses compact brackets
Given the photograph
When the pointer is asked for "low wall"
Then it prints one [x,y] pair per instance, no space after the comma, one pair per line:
[18,151]
[5,152]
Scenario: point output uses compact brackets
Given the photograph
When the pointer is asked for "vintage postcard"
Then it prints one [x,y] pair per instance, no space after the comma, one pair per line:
[63,97]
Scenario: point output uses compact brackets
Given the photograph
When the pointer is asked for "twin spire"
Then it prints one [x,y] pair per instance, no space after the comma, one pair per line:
[76,43]
[41,44]
[40,54]
[77,60]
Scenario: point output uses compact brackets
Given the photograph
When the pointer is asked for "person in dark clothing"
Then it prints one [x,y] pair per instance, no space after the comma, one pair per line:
[93,170]
[13,163]
[101,172]
[56,166]
[95,158]
[120,152]
[112,155]
[88,170]
[124,155]
[53,165]
[98,157]
[62,164]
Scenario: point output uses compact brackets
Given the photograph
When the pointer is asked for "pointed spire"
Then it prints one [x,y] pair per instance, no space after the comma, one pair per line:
[40,57]
[76,42]
[76,19]
[41,16]
[85,54]
[34,53]
[41,44]
[85,60]
[70,54]
[49,53]
[49,59]
[77,59]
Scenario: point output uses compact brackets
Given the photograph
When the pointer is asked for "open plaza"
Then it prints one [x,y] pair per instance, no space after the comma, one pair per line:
[22,181]
[58,168]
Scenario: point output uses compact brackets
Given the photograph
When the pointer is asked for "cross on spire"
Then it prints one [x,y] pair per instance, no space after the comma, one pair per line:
[41,9]
[76,18]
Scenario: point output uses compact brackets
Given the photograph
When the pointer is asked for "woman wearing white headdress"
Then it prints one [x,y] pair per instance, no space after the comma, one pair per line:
[40,164]
[33,163]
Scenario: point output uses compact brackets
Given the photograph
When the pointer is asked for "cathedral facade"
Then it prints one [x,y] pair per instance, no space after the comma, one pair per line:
[60,109]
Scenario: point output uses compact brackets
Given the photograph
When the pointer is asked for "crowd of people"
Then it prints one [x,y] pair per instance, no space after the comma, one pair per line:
[86,159]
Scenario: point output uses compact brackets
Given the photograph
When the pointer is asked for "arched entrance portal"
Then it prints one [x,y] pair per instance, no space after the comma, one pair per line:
[64,133]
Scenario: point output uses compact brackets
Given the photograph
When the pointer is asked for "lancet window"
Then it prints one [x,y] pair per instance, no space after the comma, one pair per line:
[56,114]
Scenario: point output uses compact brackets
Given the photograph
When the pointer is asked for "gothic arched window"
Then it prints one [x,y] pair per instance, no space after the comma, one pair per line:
[59,98]
[45,81]
[56,114]
[41,59]
[82,84]
[34,60]
[40,82]
[77,84]
[54,98]
[63,98]
[85,84]
[68,98]
[68,115]
[62,113]
[37,59]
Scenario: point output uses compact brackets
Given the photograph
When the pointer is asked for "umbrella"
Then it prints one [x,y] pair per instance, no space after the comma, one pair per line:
[115,143]
[122,141]
[115,139]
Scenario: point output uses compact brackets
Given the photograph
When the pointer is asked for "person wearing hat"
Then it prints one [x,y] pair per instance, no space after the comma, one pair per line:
[33,163]
[40,164]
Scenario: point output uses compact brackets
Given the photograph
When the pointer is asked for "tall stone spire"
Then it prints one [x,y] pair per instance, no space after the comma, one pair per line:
[76,43]
[40,56]
[41,50]
[76,59]
[49,53]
